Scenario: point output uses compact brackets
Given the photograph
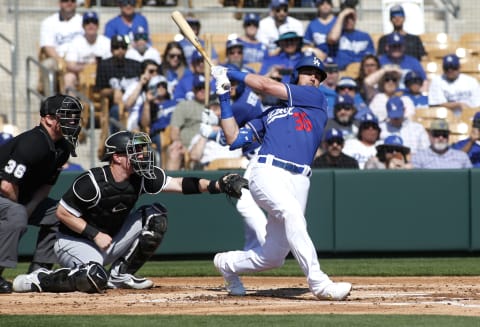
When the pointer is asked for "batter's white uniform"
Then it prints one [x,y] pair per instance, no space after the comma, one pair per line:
[464,89]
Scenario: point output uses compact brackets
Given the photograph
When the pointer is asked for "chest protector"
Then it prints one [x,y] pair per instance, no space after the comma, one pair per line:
[113,202]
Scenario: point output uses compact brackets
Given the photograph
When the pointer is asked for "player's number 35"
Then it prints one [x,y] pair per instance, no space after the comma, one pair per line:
[16,170]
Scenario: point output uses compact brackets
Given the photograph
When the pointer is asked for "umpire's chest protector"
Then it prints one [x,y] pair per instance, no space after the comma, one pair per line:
[114,202]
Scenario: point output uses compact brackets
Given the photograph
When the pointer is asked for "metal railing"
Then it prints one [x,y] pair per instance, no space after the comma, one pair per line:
[13,73]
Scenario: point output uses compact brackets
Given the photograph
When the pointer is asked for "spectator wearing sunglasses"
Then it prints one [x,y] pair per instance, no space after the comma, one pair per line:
[364,146]
[453,89]
[343,119]
[174,65]
[471,145]
[333,157]
[440,155]
[254,51]
[413,89]
[140,48]
[234,55]
[392,154]
[85,49]
[388,86]
[278,22]
[395,55]
[127,22]
[56,33]
[413,134]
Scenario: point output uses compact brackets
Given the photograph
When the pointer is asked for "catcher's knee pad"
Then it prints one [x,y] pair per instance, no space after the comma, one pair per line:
[89,278]
[154,219]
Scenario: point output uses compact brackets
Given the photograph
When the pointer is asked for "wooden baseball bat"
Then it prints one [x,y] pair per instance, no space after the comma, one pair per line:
[189,34]
[208,50]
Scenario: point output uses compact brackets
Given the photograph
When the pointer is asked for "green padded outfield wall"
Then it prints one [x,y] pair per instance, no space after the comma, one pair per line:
[348,211]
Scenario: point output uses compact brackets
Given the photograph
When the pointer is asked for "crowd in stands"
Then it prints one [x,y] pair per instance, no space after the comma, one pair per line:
[371,112]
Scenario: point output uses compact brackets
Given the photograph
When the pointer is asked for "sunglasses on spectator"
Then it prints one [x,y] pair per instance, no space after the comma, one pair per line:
[414,81]
[368,125]
[351,88]
[238,52]
[443,134]
[331,141]
[152,71]
[250,24]
[281,8]
[127,2]
[391,79]
[344,107]
[450,67]
[65,1]
[90,21]
[119,46]
[140,36]
[392,149]
[174,55]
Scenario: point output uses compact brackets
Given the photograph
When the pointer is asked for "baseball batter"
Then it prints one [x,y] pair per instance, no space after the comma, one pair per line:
[97,225]
[30,164]
[279,182]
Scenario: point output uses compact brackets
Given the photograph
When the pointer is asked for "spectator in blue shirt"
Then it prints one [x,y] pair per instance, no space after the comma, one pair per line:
[254,51]
[329,85]
[413,85]
[320,26]
[127,22]
[471,145]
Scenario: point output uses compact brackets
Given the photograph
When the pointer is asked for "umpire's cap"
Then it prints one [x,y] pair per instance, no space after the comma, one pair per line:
[116,143]
[308,61]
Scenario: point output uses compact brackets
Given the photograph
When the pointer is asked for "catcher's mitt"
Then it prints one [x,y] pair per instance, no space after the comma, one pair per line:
[232,184]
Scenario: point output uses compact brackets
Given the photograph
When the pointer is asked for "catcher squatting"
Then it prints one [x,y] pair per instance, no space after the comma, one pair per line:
[97,227]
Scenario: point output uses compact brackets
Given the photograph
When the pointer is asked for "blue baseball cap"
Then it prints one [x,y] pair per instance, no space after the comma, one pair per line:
[319,2]
[89,17]
[333,133]
[198,81]
[476,120]
[451,61]
[251,18]
[368,117]
[397,10]
[412,76]
[192,20]
[393,140]
[395,39]
[343,101]
[196,56]
[234,43]
[278,3]
[395,108]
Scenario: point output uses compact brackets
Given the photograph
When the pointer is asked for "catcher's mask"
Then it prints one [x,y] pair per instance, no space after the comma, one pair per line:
[68,111]
[137,147]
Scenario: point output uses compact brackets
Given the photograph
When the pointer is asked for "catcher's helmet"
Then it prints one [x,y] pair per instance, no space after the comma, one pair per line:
[137,147]
[68,111]
[308,61]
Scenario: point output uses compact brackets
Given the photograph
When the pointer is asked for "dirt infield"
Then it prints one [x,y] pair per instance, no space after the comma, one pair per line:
[265,295]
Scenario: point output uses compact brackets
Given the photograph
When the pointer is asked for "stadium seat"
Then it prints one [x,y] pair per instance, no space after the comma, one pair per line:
[160,40]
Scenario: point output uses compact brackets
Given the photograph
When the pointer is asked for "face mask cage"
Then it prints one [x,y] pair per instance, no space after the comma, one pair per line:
[69,116]
[141,156]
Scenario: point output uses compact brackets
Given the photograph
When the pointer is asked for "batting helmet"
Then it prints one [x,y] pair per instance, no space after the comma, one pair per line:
[308,61]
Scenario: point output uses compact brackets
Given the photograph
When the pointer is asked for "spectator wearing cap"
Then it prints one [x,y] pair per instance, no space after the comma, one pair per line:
[363,147]
[395,55]
[388,86]
[343,117]
[134,96]
[412,133]
[319,27]
[453,89]
[348,43]
[254,51]
[85,49]
[56,32]
[413,43]
[141,49]
[183,90]
[234,51]
[115,74]
[439,155]
[392,154]
[127,22]
[413,89]
[329,85]
[188,48]
[156,111]
[277,23]
[185,123]
[471,145]
[348,85]
[333,157]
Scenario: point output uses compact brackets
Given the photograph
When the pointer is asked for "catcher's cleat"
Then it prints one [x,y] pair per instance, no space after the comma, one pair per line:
[335,292]
[5,286]
[233,284]
[29,282]
[128,281]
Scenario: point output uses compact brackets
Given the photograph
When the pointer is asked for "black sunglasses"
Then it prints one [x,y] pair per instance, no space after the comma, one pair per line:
[337,140]
[391,79]
[140,36]
[119,46]
[281,8]
[443,134]
[65,1]
[90,21]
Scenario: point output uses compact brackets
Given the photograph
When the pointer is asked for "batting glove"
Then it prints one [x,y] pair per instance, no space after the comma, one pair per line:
[209,117]
[222,83]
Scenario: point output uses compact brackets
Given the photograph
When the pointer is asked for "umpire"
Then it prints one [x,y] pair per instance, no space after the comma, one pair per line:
[31,163]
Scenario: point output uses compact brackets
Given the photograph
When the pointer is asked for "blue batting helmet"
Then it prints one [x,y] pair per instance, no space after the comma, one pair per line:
[308,61]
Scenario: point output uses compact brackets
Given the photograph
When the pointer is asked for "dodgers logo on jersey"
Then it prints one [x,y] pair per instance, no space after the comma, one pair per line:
[279,113]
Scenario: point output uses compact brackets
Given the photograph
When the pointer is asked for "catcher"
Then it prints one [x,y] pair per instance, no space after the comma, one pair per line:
[97,228]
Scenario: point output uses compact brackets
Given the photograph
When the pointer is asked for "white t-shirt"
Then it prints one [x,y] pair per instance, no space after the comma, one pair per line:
[58,34]
[80,51]
[134,112]
[464,89]
[268,32]
[150,53]
[361,152]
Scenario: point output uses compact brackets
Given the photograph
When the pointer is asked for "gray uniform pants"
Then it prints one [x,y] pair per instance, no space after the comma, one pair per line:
[13,224]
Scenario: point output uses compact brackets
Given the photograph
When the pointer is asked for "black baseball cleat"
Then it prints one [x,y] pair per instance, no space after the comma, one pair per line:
[5,286]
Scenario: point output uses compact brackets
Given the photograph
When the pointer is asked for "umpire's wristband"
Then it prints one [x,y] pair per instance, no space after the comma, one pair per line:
[212,188]
[90,232]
